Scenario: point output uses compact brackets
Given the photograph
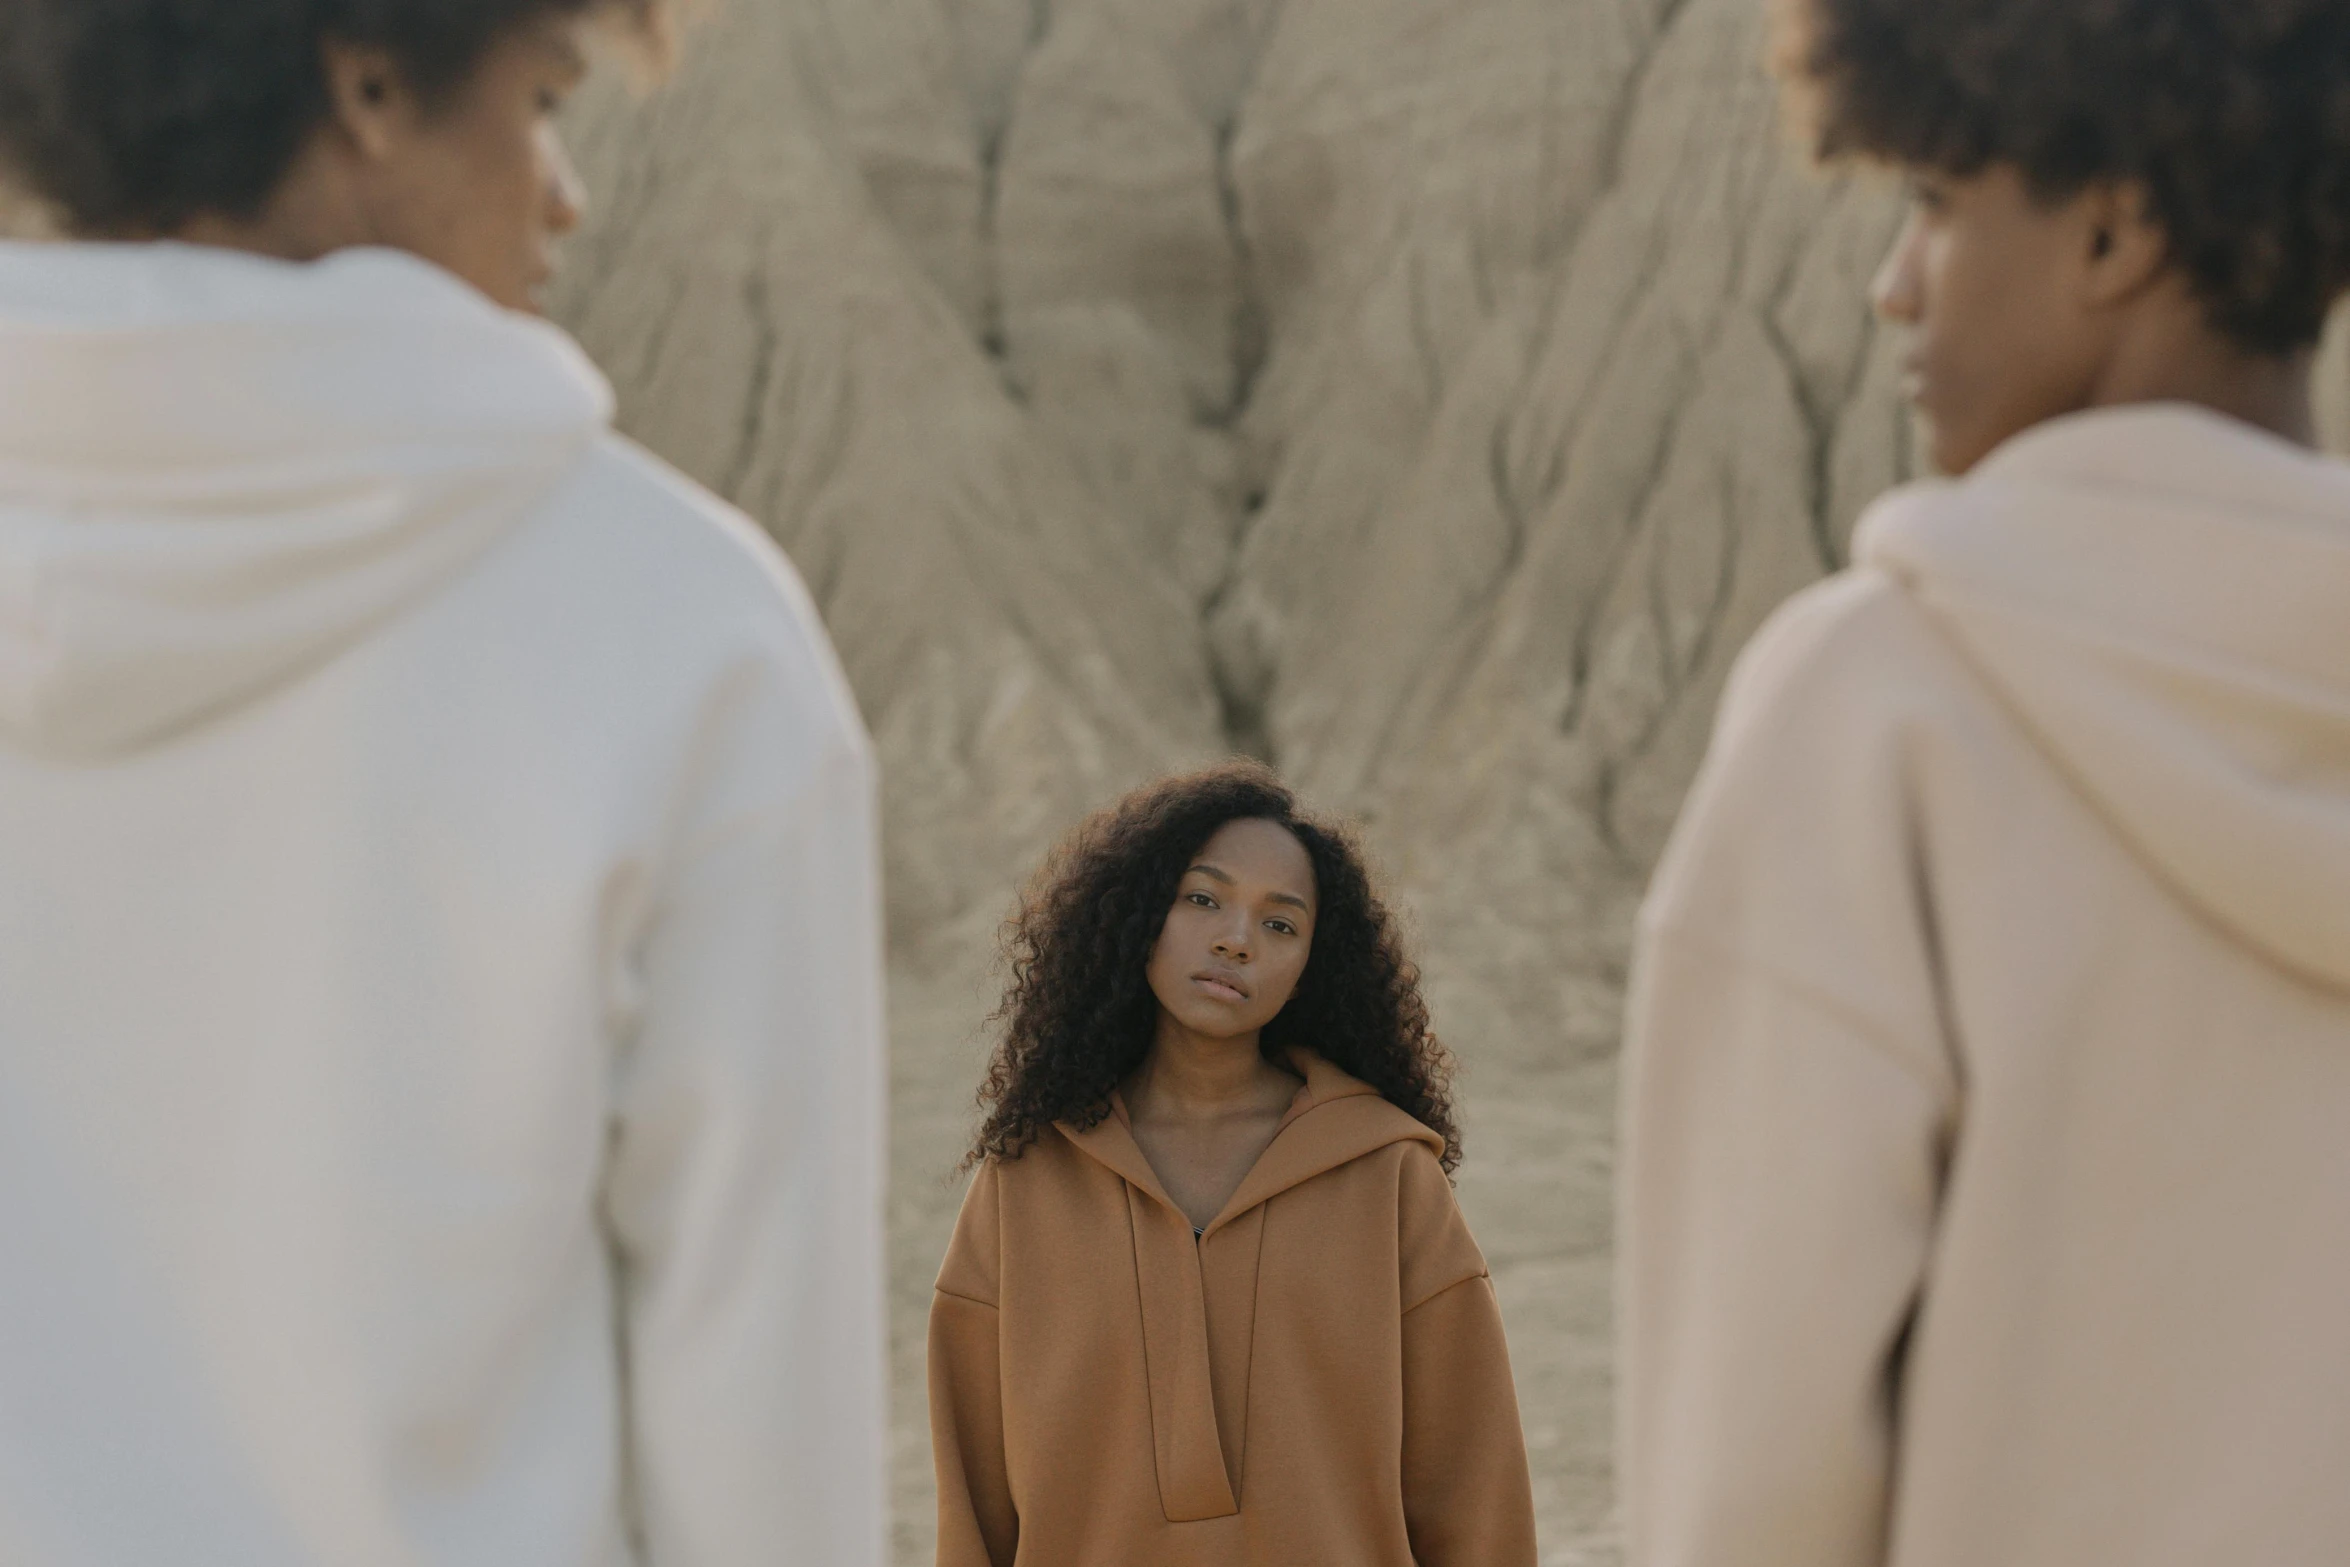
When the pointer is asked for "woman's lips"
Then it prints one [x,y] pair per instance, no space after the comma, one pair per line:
[1219,987]
[1914,383]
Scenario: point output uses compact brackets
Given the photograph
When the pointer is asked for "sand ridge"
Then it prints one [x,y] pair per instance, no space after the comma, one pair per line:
[1430,396]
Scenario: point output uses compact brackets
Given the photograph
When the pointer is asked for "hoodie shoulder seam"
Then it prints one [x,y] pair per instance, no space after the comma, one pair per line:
[968,1300]
[1431,1296]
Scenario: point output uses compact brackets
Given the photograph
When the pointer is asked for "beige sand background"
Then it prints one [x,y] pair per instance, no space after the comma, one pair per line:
[1429,396]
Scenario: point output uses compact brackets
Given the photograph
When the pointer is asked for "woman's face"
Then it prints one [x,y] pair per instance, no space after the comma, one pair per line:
[1236,940]
[480,185]
[1998,289]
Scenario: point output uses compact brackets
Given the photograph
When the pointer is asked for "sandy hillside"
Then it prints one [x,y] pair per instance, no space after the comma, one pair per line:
[1429,395]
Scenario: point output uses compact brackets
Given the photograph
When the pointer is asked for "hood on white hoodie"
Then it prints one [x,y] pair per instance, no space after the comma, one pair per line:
[219,471]
[2162,596]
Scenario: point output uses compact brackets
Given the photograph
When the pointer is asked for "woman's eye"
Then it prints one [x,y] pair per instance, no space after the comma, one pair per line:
[1200,900]
[1282,927]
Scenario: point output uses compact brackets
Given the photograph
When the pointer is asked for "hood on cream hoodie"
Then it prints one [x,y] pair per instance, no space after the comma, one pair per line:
[440,1004]
[1984,1173]
[216,474]
[2163,598]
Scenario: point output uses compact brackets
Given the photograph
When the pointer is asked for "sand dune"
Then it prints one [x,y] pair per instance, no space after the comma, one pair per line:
[1428,395]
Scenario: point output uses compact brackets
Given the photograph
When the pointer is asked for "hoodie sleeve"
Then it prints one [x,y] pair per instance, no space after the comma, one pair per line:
[743,1186]
[1788,1097]
[1468,1498]
[977,1523]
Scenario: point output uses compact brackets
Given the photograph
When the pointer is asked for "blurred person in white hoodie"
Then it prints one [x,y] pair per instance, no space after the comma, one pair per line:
[441,1064]
[1986,1184]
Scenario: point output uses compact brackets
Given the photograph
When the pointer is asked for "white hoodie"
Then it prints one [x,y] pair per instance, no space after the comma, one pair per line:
[1987,1179]
[440,1045]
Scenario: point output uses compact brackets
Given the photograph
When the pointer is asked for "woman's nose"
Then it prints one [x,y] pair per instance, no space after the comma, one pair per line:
[1232,945]
[1895,291]
[566,192]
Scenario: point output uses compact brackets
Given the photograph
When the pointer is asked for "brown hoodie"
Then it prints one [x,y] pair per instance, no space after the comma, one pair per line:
[1319,1378]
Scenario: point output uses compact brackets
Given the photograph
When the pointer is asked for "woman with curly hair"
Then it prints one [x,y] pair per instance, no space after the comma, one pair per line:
[1211,1302]
[1985,1174]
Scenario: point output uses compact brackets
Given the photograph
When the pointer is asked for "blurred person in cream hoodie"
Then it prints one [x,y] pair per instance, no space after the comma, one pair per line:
[440,1046]
[1986,1186]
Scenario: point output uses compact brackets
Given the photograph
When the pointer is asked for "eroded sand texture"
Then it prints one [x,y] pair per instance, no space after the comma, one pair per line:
[1430,395]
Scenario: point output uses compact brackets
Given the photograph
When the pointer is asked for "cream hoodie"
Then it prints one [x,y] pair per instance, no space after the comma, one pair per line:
[440,1049]
[1987,1183]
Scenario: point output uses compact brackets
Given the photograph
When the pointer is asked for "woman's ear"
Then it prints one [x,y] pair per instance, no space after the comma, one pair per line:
[370,100]
[2124,251]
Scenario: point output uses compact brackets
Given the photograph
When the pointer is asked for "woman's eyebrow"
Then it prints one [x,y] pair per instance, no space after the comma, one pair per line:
[1211,872]
[1291,898]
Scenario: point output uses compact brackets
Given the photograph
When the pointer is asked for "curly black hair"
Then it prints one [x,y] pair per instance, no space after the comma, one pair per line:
[2234,115]
[135,116]
[1079,1015]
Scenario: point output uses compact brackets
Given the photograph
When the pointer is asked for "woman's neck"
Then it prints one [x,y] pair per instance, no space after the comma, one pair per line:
[2178,358]
[1190,1074]
[313,213]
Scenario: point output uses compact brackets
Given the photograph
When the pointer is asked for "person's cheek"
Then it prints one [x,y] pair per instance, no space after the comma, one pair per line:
[1953,348]
[563,191]
[1174,940]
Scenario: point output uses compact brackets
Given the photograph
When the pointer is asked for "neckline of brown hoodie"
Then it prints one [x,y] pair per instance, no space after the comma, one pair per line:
[1318,1376]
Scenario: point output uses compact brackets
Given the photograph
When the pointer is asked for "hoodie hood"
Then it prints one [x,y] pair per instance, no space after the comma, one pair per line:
[219,471]
[1333,1120]
[2162,596]
[1336,1118]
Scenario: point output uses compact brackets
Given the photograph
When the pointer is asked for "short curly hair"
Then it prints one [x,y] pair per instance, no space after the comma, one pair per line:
[134,116]
[2234,115]
[1080,1015]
